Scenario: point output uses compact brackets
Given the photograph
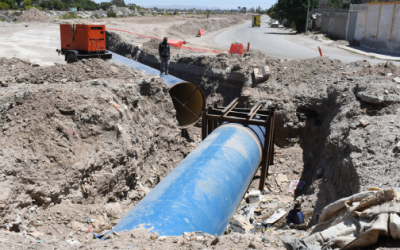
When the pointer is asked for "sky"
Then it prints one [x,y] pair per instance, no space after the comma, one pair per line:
[222,4]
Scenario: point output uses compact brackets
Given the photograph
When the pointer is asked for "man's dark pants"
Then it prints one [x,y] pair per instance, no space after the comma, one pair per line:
[164,65]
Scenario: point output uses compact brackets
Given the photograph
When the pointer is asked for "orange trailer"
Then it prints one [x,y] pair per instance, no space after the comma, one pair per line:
[82,41]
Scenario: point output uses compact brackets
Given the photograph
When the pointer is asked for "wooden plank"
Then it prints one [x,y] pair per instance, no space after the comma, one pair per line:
[210,122]
[231,106]
[239,114]
[271,159]
[253,110]
[236,120]
[265,157]
[204,125]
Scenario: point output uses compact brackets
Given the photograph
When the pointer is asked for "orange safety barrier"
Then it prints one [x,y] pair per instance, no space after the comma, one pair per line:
[201,32]
[236,48]
[175,43]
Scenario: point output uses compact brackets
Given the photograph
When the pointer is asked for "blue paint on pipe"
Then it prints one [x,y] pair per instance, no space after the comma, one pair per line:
[203,192]
[168,79]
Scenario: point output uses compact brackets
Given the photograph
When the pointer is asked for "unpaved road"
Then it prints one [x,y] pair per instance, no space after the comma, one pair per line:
[276,42]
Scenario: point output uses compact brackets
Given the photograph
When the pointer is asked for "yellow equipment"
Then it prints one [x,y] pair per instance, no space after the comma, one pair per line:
[256,21]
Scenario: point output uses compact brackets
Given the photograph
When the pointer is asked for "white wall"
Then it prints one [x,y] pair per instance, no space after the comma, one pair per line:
[385,23]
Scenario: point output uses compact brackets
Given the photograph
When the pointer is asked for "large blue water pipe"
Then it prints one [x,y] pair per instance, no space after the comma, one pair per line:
[203,192]
[188,99]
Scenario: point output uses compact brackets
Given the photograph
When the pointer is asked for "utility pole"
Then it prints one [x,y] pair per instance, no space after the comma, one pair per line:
[308,11]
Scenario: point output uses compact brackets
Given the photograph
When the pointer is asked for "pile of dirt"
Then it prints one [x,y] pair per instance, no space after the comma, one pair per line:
[111,137]
[191,27]
[34,15]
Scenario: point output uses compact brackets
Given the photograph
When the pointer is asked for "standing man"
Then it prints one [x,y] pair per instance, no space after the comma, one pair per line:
[163,51]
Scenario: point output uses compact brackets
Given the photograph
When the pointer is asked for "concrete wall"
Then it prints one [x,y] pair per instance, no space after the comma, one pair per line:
[378,23]
[334,22]
[372,21]
[361,10]
[396,26]
[385,22]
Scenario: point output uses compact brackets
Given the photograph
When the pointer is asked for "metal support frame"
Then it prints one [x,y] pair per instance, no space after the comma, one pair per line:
[214,117]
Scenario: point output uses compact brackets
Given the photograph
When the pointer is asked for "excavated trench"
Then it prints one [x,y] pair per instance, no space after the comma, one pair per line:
[312,114]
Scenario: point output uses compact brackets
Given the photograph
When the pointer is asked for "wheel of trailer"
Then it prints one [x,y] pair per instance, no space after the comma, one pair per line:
[71,58]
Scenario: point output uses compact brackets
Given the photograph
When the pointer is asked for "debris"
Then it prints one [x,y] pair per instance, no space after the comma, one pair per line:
[295,215]
[120,129]
[113,210]
[237,227]
[86,229]
[76,225]
[254,196]
[116,234]
[72,241]
[281,178]
[364,122]
[154,236]
[215,241]
[265,240]
[294,185]
[261,74]
[275,217]
[396,80]
[66,111]
[36,234]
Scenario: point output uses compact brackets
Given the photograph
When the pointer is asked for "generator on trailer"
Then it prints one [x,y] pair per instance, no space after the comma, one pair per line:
[83,41]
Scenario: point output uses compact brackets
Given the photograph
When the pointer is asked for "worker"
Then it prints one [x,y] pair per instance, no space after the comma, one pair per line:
[163,51]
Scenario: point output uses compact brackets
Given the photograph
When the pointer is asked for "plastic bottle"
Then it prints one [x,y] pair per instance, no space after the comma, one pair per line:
[86,229]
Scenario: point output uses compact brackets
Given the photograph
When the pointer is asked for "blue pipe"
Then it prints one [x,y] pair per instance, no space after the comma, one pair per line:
[203,192]
[168,79]
[188,99]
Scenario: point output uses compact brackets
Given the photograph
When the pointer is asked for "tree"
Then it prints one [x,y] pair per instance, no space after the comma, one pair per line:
[27,3]
[8,4]
[295,11]
[4,6]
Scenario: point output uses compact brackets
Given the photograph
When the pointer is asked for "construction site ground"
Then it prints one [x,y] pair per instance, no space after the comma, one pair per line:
[83,143]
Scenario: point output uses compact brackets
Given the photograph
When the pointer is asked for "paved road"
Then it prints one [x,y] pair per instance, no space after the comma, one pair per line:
[276,42]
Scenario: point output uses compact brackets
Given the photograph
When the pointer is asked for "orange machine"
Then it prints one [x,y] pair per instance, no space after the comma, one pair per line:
[82,41]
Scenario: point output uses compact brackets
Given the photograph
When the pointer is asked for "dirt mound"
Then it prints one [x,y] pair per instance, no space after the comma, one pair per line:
[34,15]
[191,27]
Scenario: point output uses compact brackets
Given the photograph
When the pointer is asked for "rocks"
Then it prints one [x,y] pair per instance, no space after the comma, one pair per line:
[237,227]
[375,98]
[215,241]
[261,74]
[114,210]
[254,196]
[396,80]
[154,236]
[364,122]
[75,225]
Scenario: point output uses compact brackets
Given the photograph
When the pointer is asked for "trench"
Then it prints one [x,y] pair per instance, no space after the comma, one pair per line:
[221,88]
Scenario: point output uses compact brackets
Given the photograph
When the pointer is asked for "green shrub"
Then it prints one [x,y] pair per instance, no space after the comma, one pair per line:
[95,16]
[4,6]
[111,14]
[69,15]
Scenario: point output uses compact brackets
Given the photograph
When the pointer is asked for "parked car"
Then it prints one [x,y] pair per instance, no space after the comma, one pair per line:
[275,24]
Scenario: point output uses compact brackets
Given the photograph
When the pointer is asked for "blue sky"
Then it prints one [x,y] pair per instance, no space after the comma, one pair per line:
[222,4]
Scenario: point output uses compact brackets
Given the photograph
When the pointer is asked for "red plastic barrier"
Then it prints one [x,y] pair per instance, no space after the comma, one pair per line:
[201,32]
[236,48]
[175,43]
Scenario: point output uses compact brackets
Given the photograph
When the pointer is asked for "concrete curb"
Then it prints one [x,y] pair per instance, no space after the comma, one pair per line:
[377,56]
